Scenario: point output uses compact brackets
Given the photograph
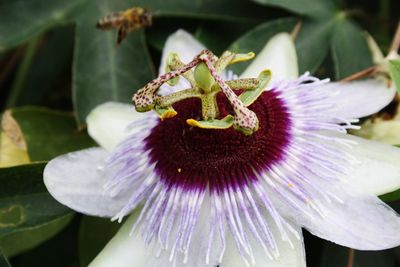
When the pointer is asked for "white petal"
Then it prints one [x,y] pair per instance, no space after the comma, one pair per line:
[379,169]
[358,220]
[361,98]
[123,250]
[76,180]
[107,123]
[351,217]
[288,256]
[130,251]
[187,47]
[278,55]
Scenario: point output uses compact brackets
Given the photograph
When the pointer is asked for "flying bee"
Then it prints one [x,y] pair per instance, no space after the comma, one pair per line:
[126,21]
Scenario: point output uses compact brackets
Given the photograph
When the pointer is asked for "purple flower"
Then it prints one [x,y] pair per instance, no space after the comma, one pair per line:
[202,197]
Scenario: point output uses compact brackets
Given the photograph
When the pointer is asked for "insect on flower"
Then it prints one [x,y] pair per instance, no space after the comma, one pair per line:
[126,21]
[235,167]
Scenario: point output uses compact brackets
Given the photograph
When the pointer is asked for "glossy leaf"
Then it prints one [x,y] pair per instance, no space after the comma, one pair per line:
[394,67]
[102,71]
[59,251]
[312,8]
[21,20]
[230,10]
[312,43]
[162,27]
[209,34]
[4,261]
[49,133]
[350,50]
[12,243]
[28,213]
[392,196]
[255,39]
[94,234]
[48,81]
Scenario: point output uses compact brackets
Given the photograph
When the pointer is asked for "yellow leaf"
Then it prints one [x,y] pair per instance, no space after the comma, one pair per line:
[13,149]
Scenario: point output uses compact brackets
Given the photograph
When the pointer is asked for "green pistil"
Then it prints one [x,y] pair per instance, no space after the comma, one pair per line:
[209,106]
[203,73]
[204,79]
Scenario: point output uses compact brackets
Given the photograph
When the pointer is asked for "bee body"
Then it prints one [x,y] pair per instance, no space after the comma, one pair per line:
[111,21]
[126,21]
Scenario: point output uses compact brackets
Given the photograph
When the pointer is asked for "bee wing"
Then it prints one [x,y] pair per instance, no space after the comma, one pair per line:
[122,31]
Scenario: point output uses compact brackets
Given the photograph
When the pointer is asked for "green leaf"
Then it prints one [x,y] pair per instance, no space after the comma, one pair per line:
[392,196]
[229,10]
[334,256]
[256,39]
[312,43]
[4,261]
[33,236]
[94,234]
[209,34]
[162,27]
[394,69]
[103,72]
[348,45]
[50,69]
[28,213]
[49,133]
[349,48]
[59,251]
[21,20]
[311,8]
[397,253]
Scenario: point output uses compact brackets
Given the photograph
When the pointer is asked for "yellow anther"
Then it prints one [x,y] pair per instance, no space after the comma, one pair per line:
[242,57]
[168,114]
[225,123]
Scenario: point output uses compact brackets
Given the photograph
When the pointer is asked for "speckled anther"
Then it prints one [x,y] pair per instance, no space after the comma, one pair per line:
[174,63]
[145,98]
[204,75]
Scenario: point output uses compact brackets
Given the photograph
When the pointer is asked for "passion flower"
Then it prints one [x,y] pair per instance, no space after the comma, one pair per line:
[214,195]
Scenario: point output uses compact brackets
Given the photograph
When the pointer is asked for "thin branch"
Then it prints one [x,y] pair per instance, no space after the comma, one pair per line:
[350,260]
[22,72]
[296,30]
[396,40]
[360,74]
[10,63]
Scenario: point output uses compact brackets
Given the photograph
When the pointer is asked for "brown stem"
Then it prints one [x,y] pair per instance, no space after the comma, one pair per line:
[350,260]
[9,65]
[361,74]
[296,30]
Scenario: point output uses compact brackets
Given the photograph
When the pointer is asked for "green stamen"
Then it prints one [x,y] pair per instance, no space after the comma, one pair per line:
[203,73]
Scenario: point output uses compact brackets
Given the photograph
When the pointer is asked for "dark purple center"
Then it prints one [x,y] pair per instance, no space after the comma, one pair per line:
[191,157]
